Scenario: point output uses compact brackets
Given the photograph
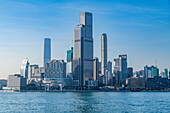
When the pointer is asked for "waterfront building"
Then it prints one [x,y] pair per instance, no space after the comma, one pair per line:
[57,84]
[155,72]
[162,74]
[101,81]
[83,50]
[129,72]
[24,68]
[166,73]
[39,74]
[123,68]
[31,71]
[109,67]
[47,50]
[117,77]
[151,72]
[3,82]
[55,69]
[107,77]
[157,83]
[120,69]
[95,68]
[116,66]
[137,83]
[16,82]
[99,67]
[69,71]
[103,54]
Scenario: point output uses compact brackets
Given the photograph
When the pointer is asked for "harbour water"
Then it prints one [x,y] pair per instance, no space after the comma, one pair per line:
[90,102]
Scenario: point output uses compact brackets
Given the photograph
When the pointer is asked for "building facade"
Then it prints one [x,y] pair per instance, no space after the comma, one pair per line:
[95,68]
[55,69]
[16,82]
[123,68]
[109,67]
[39,74]
[83,50]
[103,54]
[69,68]
[24,68]
[151,72]
[166,73]
[31,71]
[47,50]
[129,72]
[116,66]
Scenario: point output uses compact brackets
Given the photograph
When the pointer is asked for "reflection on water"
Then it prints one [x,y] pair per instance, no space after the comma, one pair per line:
[85,102]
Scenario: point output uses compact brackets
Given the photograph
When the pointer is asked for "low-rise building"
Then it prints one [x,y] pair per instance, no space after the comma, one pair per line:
[157,83]
[137,83]
[55,69]
[16,82]
[3,82]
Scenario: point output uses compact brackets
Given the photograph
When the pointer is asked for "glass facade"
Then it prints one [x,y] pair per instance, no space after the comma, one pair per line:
[166,73]
[47,50]
[151,72]
[123,67]
[69,69]
[83,50]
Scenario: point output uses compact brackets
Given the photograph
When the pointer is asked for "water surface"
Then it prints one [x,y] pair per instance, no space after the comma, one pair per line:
[92,102]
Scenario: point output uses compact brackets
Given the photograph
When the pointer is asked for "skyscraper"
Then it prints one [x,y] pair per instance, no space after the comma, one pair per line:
[31,71]
[103,54]
[151,72]
[166,73]
[83,50]
[95,68]
[109,67]
[123,67]
[155,72]
[129,72]
[47,50]
[69,68]
[24,68]
[116,66]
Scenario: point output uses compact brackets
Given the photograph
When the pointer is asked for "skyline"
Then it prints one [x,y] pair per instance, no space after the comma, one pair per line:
[24,23]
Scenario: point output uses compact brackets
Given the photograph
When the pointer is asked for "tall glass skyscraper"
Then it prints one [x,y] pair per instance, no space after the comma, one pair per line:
[103,54]
[47,50]
[166,73]
[83,50]
[123,67]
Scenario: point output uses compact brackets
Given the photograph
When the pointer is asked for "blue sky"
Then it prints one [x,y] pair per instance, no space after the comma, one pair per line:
[140,29]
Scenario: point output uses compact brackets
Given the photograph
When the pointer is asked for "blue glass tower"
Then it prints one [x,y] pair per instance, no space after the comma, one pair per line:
[47,50]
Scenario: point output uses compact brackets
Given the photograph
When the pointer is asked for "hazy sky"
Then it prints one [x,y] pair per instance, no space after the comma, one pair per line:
[138,28]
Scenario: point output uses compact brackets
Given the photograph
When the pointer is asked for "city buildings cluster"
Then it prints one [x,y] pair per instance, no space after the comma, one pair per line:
[83,70]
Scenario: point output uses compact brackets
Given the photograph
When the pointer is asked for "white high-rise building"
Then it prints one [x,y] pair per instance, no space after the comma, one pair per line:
[31,70]
[24,68]
[103,54]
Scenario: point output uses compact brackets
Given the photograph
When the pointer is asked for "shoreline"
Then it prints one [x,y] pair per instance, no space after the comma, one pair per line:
[81,91]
